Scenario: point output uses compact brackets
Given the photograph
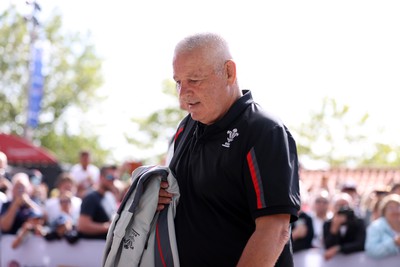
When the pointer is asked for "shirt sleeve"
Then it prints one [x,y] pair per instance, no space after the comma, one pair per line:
[272,177]
[379,243]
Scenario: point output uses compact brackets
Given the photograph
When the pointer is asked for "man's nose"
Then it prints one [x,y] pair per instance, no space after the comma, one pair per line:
[183,88]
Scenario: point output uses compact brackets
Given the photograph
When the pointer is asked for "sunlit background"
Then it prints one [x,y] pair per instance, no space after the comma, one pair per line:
[291,54]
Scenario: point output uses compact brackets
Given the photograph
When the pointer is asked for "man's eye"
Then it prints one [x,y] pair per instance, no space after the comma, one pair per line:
[194,81]
[178,86]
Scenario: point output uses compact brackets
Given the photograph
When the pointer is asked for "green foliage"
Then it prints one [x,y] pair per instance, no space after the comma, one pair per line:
[333,136]
[384,155]
[69,145]
[159,127]
[72,73]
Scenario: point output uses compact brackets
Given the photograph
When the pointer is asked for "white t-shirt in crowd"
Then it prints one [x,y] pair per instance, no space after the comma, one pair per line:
[53,208]
[80,175]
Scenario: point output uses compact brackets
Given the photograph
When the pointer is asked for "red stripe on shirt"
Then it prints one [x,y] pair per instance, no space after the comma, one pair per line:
[159,247]
[254,179]
[178,133]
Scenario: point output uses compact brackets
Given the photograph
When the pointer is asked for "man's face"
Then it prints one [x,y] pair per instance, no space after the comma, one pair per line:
[392,212]
[20,188]
[202,87]
[84,159]
[108,179]
[321,205]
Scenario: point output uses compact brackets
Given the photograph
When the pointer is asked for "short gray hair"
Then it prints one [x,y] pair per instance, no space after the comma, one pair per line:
[212,42]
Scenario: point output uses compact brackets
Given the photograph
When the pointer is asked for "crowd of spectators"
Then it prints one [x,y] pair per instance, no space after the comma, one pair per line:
[345,221]
[85,198]
[81,205]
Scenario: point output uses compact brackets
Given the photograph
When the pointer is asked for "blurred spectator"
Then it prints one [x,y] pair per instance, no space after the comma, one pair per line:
[63,228]
[371,205]
[5,178]
[3,198]
[319,214]
[302,232]
[125,171]
[383,234]
[119,189]
[4,166]
[64,200]
[16,211]
[34,225]
[85,174]
[39,189]
[350,187]
[99,206]
[395,189]
[345,232]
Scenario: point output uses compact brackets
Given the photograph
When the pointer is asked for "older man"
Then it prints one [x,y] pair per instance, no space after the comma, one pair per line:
[236,166]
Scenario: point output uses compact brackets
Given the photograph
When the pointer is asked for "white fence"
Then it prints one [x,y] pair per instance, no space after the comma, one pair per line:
[315,258]
[37,252]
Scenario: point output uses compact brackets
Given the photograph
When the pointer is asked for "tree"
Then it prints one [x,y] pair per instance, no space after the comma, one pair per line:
[334,137]
[72,73]
[157,129]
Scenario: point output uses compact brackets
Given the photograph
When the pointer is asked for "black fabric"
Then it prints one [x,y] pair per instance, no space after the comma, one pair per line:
[219,204]
[352,240]
[21,216]
[91,206]
[187,127]
[305,242]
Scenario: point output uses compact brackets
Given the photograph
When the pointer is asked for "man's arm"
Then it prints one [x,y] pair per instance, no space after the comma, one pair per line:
[267,242]
[87,226]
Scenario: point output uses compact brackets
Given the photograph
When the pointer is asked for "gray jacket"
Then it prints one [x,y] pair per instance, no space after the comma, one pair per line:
[139,235]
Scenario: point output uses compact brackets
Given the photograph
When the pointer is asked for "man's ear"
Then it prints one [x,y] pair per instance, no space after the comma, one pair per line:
[230,68]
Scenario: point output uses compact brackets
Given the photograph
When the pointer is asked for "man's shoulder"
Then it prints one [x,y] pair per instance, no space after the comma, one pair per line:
[91,196]
[257,119]
[50,202]
[93,168]
[76,168]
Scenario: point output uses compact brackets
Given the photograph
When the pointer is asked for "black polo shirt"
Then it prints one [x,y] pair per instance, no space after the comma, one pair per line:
[229,173]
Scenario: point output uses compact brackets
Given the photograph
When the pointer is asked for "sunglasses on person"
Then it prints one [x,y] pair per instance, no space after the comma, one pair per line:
[110,177]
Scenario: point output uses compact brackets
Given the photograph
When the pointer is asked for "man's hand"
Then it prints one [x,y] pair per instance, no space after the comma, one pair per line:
[164,197]
[331,252]
[337,221]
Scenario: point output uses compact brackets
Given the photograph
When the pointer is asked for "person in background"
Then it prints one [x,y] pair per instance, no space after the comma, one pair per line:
[235,164]
[395,188]
[344,232]
[302,232]
[16,211]
[85,174]
[383,234]
[33,226]
[5,179]
[4,173]
[63,228]
[40,190]
[64,199]
[99,206]
[350,187]
[371,202]
[119,190]
[319,215]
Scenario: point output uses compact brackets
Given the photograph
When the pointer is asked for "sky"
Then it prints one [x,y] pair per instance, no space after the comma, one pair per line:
[291,54]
